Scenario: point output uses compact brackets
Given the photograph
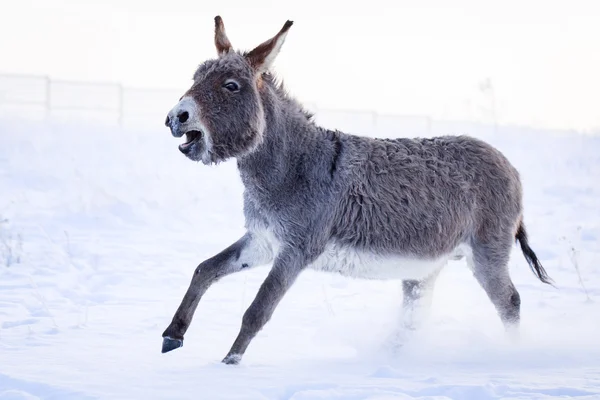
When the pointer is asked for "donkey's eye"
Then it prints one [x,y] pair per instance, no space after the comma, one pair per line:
[231,85]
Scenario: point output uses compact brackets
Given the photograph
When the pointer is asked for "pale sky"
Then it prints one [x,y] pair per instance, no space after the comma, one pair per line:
[425,57]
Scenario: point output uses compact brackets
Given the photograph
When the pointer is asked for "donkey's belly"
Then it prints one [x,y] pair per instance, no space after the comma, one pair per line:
[360,264]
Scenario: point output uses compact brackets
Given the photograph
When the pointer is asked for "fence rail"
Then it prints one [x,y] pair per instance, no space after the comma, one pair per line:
[42,97]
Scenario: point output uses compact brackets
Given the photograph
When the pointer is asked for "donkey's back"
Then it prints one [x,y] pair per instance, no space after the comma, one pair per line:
[406,206]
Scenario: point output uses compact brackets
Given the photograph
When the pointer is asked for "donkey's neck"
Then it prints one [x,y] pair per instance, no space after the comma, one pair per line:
[288,138]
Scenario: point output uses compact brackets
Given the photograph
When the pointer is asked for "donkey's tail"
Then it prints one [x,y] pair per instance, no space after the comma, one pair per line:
[532,260]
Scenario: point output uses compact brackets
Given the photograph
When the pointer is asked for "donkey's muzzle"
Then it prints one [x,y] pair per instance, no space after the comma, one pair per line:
[177,128]
[171,344]
[180,118]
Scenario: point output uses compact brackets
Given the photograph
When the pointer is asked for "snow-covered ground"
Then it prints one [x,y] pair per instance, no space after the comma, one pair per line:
[101,229]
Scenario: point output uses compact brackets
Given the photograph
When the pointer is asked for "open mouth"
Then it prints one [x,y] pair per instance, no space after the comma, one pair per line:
[190,138]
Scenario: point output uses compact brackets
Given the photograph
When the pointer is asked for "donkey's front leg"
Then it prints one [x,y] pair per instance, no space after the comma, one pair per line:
[286,268]
[249,251]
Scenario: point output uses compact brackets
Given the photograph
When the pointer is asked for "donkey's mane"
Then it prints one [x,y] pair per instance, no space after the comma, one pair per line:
[279,88]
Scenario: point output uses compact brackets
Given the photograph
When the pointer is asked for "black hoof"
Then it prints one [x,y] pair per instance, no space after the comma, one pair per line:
[171,344]
[232,359]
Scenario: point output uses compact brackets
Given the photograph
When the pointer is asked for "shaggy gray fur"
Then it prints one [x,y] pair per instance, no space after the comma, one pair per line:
[307,188]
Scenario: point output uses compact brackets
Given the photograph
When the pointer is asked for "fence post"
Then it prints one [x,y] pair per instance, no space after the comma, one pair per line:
[121,105]
[48,97]
[375,129]
[429,127]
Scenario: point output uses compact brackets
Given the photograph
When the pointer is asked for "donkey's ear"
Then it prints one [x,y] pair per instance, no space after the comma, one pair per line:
[262,57]
[221,41]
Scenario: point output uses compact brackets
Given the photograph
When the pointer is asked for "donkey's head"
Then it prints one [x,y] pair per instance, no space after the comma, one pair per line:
[222,115]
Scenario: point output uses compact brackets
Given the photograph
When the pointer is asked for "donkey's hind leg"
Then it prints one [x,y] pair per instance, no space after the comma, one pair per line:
[489,262]
[417,295]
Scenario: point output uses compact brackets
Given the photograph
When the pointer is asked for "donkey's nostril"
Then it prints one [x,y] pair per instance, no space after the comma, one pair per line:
[183,116]
[167,121]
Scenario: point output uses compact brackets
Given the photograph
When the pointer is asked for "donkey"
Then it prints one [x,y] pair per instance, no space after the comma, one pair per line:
[323,199]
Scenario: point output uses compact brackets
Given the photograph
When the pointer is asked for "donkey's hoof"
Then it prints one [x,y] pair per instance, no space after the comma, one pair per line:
[171,344]
[232,359]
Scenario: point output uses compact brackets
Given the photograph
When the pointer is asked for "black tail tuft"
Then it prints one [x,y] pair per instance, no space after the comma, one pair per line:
[532,260]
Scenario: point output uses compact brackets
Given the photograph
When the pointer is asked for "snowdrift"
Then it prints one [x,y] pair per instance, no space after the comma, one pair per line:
[101,228]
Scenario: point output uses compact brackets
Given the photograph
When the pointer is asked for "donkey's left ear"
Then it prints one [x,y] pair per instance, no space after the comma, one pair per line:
[262,57]
[222,43]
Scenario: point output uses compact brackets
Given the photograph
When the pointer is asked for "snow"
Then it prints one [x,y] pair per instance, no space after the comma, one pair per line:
[103,226]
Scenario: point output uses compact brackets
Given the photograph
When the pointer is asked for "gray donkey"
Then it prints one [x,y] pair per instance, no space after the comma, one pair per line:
[322,199]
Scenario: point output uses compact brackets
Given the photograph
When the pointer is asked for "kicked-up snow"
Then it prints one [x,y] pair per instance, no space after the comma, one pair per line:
[102,227]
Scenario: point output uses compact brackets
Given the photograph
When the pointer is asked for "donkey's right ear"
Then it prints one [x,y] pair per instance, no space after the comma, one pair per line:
[221,41]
